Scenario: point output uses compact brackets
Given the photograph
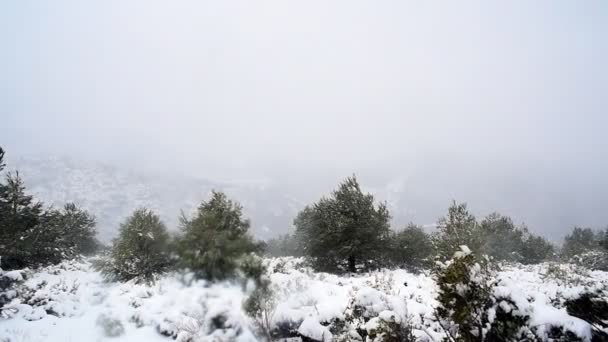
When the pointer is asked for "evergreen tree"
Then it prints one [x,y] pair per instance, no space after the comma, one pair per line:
[140,251]
[31,235]
[78,230]
[22,232]
[500,238]
[214,240]
[412,248]
[579,241]
[536,249]
[457,228]
[2,165]
[344,229]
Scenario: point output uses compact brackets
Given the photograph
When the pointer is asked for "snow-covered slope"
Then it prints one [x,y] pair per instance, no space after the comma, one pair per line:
[70,302]
[112,193]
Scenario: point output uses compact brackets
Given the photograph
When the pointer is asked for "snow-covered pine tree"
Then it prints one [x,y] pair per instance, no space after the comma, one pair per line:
[26,238]
[78,230]
[141,250]
[536,249]
[215,238]
[344,230]
[31,235]
[457,228]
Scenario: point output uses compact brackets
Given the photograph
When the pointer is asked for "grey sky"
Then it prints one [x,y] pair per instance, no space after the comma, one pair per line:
[495,92]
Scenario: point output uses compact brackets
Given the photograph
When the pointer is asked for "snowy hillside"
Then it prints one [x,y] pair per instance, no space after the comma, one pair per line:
[112,194]
[70,302]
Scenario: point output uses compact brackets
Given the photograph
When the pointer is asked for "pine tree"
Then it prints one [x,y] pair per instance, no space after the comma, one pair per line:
[536,249]
[78,230]
[2,165]
[215,238]
[31,235]
[22,232]
[500,238]
[457,228]
[579,241]
[141,250]
[412,248]
[344,229]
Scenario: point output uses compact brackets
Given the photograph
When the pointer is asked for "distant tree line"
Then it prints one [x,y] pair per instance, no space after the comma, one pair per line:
[346,231]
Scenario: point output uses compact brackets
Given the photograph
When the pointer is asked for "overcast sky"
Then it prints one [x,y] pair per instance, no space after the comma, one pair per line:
[509,91]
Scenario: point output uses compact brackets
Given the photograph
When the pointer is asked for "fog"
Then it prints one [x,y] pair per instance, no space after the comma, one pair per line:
[502,105]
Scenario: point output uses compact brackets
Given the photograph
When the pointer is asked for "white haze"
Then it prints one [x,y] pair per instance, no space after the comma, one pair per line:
[502,105]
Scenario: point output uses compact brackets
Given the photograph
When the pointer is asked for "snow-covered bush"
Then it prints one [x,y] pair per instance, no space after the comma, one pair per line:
[64,302]
[389,327]
[566,274]
[592,307]
[8,284]
[312,331]
[580,241]
[593,260]
[468,308]
[261,305]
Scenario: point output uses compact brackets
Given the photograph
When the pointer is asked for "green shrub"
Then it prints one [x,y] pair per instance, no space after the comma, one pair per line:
[140,251]
[260,305]
[457,228]
[389,328]
[468,309]
[412,248]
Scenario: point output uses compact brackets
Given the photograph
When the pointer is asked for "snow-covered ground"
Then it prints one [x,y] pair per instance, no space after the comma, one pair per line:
[71,302]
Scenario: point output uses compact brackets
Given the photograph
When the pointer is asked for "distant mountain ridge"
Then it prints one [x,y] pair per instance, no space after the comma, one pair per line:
[111,194]
[548,205]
